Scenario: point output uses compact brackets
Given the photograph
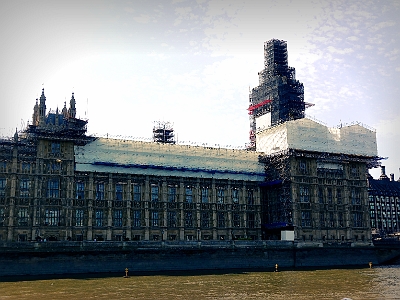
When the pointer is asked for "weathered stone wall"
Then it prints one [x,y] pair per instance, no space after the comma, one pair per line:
[100,257]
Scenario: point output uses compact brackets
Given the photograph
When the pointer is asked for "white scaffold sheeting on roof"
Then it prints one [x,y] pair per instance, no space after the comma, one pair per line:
[305,134]
[125,156]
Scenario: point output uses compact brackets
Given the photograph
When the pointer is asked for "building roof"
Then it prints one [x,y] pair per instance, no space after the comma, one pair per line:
[134,157]
[386,187]
[308,135]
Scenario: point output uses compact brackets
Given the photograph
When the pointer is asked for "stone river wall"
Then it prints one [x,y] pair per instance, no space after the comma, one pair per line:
[46,258]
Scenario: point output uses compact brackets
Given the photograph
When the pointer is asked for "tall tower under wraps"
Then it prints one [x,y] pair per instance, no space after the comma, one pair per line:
[279,97]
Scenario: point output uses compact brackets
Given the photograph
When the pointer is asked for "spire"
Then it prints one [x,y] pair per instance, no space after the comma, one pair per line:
[35,116]
[65,110]
[42,107]
[72,109]
[16,136]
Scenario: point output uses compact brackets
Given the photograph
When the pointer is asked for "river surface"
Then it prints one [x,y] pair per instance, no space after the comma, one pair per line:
[381,282]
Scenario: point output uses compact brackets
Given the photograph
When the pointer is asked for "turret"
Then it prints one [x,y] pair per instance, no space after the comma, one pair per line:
[65,110]
[35,116]
[42,108]
[72,109]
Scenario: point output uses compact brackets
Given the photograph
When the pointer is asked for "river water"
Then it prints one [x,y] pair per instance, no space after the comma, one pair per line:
[381,282]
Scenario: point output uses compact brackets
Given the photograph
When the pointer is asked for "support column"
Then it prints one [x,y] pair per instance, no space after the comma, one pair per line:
[181,203]
[146,208]
[128,210]
[109,205]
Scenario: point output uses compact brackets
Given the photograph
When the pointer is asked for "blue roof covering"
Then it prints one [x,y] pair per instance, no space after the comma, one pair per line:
[378,187]
[172,168]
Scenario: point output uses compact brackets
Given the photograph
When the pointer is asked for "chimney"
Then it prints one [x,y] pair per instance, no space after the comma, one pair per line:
[383,174]
[391,177]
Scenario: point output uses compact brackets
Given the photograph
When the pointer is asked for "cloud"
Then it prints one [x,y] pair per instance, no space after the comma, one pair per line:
[382,25]
[340,51]
[129,10]
[144,19]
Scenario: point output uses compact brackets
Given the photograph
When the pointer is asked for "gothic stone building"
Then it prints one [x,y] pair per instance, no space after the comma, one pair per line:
[316,180]
[60,184]
[298,179]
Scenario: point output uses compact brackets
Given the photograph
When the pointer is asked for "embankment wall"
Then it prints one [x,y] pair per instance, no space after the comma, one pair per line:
[100,257]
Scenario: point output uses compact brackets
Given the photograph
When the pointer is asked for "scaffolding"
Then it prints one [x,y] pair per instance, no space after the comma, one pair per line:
[278,93]
[163,132]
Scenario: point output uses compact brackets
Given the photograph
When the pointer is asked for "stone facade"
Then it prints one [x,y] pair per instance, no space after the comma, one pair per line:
[323,197]
[50,190]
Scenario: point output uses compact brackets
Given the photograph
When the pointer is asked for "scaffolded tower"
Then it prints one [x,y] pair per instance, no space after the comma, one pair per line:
[163,133]
[279,97]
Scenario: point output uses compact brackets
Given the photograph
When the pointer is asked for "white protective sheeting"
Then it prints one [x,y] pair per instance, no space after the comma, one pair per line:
[305,134]
[134,157]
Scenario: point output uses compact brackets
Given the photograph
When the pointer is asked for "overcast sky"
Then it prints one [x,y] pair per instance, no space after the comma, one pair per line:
[131,63]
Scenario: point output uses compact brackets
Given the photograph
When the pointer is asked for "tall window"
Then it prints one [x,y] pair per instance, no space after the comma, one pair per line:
[306,218]
[3,183]
[99,218]
[24,185]
[188,219]
[322,219]
[357,217]
[137,195]
[331,219]
[55,148]
[100,191]
[79,217]
[154,193]
[339,196]
[137,218]
[2,217]
[52,217]
[220,195]
[235,196]
[340,220]
[118,218]
[355,197]
[251,220]
[171,219]
[304,194]
[80,190]
[154,218]
[23,217]
[320,195]
[355,172]
[118,192]
[302,167]
[26,167]
[188,194]
[171,194]
[330,196]
[205,219]
[204,195]
[221,219]
[250,197]
[236,220]
[53,186]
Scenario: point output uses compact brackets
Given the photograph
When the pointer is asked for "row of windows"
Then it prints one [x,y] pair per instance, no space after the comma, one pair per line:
[25,166]
[333,168]
[327,196]
[329,219]
[171,193]
[52,218]
[53,191]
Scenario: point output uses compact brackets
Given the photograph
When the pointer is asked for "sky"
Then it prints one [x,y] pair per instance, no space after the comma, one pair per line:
[192,63]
